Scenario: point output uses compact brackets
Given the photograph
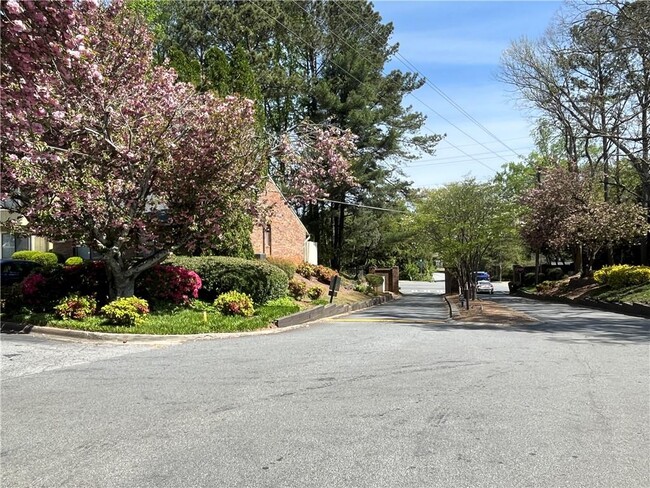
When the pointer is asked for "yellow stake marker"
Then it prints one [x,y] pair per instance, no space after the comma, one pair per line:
[205,316]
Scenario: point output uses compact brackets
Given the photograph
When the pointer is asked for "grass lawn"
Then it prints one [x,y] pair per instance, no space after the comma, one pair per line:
[637,294]
[174,321]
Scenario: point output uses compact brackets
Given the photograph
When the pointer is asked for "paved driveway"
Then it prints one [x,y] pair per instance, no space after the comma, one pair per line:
[373,402]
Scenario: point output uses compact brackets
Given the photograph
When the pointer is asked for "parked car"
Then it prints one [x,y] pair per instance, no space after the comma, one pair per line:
[481,276]
[484,286]
[15,270]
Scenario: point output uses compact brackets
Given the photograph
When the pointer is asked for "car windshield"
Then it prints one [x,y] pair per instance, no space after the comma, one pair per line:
[483,282]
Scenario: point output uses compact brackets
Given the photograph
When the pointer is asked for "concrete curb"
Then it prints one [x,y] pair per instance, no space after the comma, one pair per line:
[634,309]
[298,320]
[330,310]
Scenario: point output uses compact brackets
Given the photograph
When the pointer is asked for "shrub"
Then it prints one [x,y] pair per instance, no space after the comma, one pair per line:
[45,259]
[259,280]
[129,311]
[315,292]
[168,283]
[74,261]
[623,275]
[375,280]
[554,274]
[289,267]
[34,289]
[12,298]
[324,274]
[75,307]
[545,286]
[86,279]
[306,270]
[297,289]
[364,288]
[281,302]
[529,278]
[234,303]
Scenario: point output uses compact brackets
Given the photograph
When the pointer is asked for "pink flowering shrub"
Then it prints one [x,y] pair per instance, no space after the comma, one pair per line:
[34,288]
[168,283]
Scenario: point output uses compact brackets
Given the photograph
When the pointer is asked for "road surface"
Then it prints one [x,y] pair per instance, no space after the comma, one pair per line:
[393,396]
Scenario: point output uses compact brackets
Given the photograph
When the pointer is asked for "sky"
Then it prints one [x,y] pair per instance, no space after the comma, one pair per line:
[457,46]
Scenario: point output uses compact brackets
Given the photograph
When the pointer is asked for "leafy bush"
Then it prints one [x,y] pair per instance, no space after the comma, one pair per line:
[168,283]
[75,307]
[324,274]
[623,275]
[35,291]
[281,302]
[306,270]
[74,261]
[129,311]
[297,289]
[554,274]
[234,303]
[529,278]
[289,267]
[12,298]
[45,259]
[545,286]
[315,292]
[375,280]
[259,280]
[86,279]
[365,288]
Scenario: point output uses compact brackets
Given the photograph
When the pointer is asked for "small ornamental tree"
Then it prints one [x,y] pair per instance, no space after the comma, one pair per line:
[102,147]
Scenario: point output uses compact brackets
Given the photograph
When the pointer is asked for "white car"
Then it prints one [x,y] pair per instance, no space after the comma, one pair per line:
[484,286]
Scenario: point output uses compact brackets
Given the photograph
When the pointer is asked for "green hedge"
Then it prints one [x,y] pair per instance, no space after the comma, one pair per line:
[260,280]
[45,259]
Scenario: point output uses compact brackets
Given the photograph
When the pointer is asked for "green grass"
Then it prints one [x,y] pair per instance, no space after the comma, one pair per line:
[637,293]
[169,320]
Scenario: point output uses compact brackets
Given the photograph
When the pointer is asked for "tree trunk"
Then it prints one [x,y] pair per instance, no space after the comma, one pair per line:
[119,285]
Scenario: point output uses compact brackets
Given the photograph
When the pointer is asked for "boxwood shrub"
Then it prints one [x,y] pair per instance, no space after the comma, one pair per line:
[259,280]
[45,259]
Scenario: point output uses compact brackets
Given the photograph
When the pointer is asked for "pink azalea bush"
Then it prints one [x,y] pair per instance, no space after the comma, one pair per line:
[168,283]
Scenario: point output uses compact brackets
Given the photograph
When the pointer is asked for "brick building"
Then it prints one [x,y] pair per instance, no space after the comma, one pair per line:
[283,235]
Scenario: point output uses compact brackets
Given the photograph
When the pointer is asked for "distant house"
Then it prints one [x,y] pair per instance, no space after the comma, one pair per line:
[282,235]
[12,242]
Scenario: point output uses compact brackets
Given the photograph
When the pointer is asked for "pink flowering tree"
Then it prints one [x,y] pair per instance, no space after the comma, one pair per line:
[102,147]
[312,158]
[563,212]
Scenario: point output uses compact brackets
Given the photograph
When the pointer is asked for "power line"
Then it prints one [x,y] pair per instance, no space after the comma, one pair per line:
[436,88]
[362,206]
[358,80]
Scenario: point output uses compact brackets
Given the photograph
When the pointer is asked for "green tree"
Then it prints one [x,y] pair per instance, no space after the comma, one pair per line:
[462,222]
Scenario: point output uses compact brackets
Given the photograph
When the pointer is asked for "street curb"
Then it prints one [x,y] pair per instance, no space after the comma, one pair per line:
[634,309]
[144,338]
[330,310]
[295,321]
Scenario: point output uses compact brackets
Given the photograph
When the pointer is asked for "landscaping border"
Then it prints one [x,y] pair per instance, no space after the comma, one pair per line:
[635,309]
[293,321]
[324,311]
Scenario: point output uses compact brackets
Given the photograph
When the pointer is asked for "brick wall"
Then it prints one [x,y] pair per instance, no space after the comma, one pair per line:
[284,235]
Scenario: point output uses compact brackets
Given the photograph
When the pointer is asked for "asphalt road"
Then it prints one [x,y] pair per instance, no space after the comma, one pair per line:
[393,396]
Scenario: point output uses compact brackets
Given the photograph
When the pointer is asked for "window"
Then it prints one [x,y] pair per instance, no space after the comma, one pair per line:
[12,243]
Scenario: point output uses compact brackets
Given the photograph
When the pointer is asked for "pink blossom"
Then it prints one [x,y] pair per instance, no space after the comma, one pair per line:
[19,26]
[13,7]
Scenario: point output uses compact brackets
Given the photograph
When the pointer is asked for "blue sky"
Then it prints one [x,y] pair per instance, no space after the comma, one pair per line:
[457,46]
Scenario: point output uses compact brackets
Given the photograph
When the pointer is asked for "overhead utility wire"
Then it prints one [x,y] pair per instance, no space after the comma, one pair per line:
[436,88]
[417,98]
[362,206]
[357,79]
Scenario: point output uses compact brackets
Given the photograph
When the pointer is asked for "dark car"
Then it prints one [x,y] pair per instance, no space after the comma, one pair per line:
[15,270]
